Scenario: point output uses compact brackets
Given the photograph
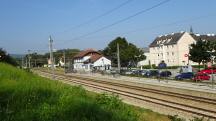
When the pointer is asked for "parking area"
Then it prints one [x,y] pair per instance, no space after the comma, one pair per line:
[204,75]
[198,86]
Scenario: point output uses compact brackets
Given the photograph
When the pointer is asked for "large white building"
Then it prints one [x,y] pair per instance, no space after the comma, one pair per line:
[90,59]
[174,48]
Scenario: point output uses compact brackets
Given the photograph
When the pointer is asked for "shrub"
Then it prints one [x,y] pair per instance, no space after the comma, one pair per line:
[175,118]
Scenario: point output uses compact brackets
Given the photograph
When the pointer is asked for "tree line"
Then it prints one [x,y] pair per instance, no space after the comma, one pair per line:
[201,52]
[6,58]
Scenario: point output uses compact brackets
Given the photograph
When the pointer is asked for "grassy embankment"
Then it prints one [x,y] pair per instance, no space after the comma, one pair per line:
[28,97]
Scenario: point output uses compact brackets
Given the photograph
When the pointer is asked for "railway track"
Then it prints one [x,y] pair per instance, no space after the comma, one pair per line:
[177,101]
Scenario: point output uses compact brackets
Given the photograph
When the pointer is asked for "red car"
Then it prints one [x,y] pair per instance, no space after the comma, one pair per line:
[208,71]
[201,76]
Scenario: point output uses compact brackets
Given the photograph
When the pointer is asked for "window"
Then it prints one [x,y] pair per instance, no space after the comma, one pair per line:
[167,46]
[167,53]
[172,53]
[172,46]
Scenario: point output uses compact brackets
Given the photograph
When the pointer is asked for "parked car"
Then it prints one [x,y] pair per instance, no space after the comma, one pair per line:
[143,72]
[165,74]
[128,72]
[139,72]
[208,71]
[151,73]
[201,76]
[187,75]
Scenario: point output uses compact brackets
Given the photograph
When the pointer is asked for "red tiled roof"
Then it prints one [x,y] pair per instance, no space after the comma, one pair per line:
[95,58]
[85,52]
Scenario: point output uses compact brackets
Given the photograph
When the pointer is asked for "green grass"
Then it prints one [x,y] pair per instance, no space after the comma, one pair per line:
[28,97]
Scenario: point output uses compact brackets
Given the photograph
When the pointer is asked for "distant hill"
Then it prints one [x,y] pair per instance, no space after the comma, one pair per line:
[17,55]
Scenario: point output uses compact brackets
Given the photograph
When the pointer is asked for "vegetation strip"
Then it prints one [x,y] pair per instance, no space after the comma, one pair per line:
[26,97]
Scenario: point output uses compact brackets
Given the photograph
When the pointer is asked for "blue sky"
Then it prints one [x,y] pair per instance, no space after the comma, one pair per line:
[27,24]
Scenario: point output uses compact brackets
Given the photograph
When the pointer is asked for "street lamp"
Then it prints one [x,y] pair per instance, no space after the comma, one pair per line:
[211,59]
[29,59]
[188,55]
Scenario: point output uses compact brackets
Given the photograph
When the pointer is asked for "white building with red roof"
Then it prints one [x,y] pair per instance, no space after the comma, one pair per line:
[90,59]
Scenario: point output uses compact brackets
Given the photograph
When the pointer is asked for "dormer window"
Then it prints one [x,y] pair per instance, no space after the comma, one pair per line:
[168,40]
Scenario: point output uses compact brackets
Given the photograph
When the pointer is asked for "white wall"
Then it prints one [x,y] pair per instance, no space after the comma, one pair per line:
[146,61]
[102,61]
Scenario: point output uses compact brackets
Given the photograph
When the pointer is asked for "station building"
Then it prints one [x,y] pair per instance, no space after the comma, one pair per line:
[90,59]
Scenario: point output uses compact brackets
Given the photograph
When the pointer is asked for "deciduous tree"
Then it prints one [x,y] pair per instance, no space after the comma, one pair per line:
[200,52]
[4,57]
[129,53]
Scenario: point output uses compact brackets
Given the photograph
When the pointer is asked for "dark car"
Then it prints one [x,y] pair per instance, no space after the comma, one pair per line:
[139,72]
[151,73]
[187,75]
[165,74]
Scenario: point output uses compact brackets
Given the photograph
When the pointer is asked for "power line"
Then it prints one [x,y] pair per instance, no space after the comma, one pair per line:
[122,20]
[100,16]
[164,25]
[171,24]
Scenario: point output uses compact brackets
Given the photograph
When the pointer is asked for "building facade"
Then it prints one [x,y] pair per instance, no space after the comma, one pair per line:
[174,48]
[90,59]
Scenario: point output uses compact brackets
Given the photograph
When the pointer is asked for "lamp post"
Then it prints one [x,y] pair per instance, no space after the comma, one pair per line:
[212,73]
[29,59]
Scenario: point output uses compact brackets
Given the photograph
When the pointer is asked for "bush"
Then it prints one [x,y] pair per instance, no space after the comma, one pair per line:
[111,101]
[197,119]
[146,67]
[175,118]
[6,58]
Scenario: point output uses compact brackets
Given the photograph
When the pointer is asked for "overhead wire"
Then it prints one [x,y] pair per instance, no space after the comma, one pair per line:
[164,25]
[99,16]
[122,20]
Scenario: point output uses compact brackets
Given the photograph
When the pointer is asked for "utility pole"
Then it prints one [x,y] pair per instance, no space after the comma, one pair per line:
[118,57]
[51,56]
[35,63]
[64,62]
[22,62]
[26,62]
[29,59]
